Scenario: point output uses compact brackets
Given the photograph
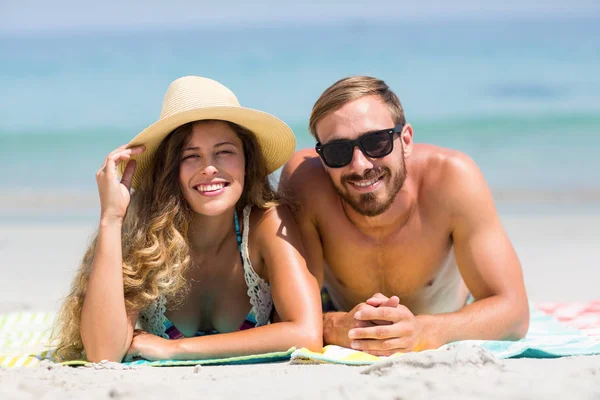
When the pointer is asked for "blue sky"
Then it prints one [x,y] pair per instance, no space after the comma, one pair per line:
[66,15]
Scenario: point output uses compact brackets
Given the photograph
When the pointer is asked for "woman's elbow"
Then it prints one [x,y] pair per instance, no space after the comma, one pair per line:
[309,337]
[98,355]
[99,351]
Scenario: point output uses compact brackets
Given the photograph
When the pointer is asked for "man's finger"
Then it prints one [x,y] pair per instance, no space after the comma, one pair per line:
[362,324]
[380,300]
[393,301]
[392,314]
[381,331]
[376,300]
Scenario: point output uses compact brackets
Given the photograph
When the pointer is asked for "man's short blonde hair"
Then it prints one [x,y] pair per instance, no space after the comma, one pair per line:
[352,88]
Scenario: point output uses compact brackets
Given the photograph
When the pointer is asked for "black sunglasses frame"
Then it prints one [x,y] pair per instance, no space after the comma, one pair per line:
[359,142]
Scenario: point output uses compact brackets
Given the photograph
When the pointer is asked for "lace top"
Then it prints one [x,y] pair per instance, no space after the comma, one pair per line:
[152,319]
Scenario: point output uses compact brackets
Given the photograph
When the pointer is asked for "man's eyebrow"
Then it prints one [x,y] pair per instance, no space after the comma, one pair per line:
[339,139]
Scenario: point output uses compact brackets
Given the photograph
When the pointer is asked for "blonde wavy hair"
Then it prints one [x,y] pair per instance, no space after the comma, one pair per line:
[156,255]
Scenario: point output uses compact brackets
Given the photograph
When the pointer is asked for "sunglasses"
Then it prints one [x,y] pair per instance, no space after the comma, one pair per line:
[339,153]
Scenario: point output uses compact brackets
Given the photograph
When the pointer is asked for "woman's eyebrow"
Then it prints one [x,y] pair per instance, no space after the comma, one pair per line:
[223,144]
[196,148]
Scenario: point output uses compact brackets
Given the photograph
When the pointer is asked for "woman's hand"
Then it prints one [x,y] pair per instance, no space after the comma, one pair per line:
[114,195]
[150,347]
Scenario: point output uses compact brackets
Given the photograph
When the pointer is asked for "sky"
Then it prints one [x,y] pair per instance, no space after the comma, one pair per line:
[22,16]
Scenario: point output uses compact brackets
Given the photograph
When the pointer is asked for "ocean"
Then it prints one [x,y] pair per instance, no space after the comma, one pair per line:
[521,97]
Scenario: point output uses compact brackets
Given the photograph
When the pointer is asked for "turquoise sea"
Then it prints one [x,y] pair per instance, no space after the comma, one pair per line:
[522,97]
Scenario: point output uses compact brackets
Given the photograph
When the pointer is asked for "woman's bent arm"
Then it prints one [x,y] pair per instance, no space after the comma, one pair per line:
[106,329]
[295,295]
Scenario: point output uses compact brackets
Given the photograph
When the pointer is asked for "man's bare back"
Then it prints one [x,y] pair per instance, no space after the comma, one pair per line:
[400,233]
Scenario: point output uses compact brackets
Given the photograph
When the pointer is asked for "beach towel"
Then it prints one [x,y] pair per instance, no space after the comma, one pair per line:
[25,341]
[25,338]
[249,359]
[556,330]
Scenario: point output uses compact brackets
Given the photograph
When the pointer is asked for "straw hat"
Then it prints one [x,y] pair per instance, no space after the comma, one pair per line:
[194,98]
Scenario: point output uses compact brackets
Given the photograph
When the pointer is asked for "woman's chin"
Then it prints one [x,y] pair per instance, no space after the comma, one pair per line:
[214,207]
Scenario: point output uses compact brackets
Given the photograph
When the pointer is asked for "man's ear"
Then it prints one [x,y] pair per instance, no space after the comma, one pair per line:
[407,140]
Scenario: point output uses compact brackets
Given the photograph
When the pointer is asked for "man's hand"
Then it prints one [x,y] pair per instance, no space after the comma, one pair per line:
[149,347]
[337,325]
[380,300]
[391,328]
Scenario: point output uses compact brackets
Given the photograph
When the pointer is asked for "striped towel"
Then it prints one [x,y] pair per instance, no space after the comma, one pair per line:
[555,330]
[25,342]
[25,338]
[582,316]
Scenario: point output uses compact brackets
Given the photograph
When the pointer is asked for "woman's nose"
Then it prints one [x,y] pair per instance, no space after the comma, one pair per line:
[209,167]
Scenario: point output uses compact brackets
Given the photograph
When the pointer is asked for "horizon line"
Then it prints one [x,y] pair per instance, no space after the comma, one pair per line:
[351,22]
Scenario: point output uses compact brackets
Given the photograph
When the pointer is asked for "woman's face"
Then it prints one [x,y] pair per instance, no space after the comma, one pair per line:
[212,168]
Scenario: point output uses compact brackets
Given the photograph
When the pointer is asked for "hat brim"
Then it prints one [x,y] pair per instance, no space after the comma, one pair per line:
[275,138]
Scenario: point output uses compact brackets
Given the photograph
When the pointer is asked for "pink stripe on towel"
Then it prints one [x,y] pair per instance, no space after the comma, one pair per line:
[582,316]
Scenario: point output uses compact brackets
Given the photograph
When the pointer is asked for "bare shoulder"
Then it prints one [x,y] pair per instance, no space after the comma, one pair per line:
[276,220]
[274,235]
[302,177]
[450,176]
[444,169]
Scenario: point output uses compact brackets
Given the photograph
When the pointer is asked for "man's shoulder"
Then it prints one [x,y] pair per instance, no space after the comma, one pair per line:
[304,160]
[448,180]
[303,173]
[442,167]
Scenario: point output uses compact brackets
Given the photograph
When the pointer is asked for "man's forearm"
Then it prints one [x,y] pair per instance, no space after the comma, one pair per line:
[493,318]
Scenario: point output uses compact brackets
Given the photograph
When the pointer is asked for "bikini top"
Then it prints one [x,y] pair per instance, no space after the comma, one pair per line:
[152,319]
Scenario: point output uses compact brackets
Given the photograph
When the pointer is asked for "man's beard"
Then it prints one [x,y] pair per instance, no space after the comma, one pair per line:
[369,204]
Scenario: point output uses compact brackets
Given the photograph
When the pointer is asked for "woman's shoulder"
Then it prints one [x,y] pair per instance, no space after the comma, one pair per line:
[268,227]
[274,220]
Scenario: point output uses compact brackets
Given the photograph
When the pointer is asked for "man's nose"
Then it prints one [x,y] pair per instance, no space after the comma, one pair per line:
[360,162]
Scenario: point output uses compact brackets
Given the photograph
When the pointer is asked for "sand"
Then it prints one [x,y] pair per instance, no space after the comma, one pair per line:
[559,252]
[576,377]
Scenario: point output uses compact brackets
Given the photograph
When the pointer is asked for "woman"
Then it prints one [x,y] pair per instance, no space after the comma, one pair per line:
[202,248]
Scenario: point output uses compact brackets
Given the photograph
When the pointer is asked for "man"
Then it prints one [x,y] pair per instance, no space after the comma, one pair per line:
[404,237]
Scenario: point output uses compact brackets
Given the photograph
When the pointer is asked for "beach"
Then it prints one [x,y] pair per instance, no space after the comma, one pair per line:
[558,251]
[575,378]
[518,95]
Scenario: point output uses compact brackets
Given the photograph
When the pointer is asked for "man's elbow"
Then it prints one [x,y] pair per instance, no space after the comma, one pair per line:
[520,325]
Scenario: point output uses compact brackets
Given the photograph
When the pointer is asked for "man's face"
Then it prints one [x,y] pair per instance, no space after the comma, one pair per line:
[368,185]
